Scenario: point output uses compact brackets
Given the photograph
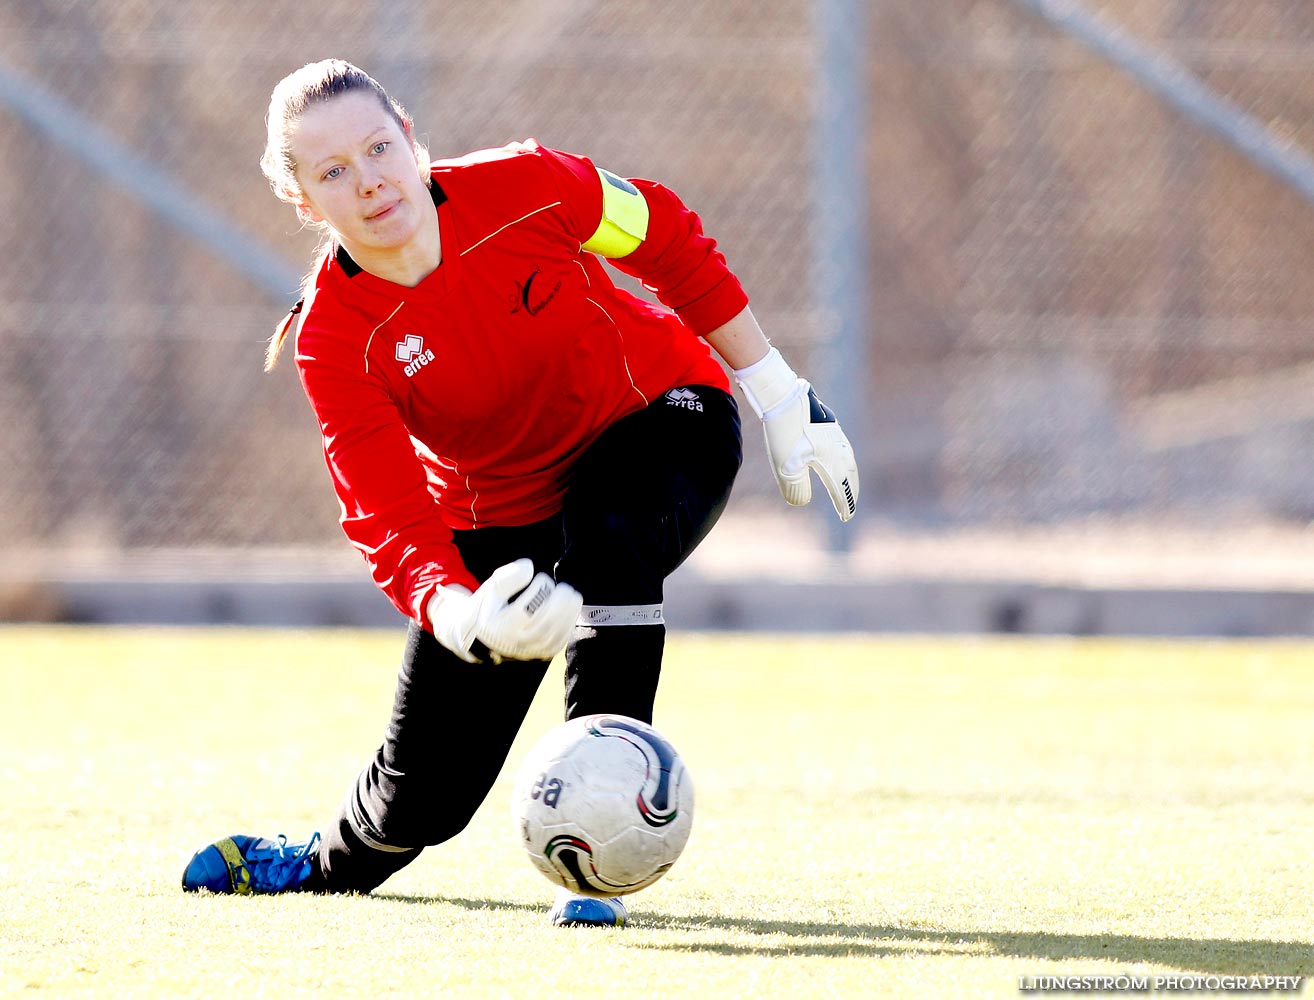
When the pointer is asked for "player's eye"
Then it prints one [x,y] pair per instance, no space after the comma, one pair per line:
[379,147]
[332,173]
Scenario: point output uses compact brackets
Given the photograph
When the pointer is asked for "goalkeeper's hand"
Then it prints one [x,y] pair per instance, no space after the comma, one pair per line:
[515,614]
[801,433]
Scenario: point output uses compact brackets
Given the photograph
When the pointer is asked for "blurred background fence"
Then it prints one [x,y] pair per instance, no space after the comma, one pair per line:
[1085,308]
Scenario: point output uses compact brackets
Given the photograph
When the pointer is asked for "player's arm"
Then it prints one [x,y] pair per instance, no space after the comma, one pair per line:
[644,230]
[391,518]
[647,231]
[670,254]
[386,510]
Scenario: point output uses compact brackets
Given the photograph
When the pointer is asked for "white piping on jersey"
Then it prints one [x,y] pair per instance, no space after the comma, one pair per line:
[507,226]
[376,330]
[474,499]
[624,360]
[447,464]
[585,272]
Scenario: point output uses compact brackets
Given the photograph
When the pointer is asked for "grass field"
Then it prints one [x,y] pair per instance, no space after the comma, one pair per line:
[876,817]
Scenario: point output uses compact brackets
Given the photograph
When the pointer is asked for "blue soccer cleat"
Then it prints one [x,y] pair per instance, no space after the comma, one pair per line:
[571,910]
[251,865]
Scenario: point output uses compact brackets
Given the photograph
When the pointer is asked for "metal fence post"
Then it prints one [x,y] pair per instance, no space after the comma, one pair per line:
[839,238]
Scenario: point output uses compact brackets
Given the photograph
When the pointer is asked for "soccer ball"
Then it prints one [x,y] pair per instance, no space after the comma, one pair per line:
[603,805]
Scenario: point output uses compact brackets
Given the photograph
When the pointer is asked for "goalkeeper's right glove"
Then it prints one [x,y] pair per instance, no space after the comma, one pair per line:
[515,614]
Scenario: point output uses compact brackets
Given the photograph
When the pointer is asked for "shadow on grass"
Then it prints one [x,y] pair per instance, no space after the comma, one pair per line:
[1222,956]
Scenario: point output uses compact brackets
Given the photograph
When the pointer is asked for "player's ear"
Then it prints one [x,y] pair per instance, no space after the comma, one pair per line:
[422,159]
[306,212]
[294,196]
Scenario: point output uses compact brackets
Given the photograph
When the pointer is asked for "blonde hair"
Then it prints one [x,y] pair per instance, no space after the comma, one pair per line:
[315,83]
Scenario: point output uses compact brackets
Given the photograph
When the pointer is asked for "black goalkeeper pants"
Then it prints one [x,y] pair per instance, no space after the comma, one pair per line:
[640,499]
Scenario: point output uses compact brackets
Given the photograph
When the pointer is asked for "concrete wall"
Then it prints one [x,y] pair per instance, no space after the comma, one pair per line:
[695,602]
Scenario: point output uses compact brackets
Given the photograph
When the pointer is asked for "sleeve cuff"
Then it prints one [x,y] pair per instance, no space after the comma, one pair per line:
[420,598]
[715,308]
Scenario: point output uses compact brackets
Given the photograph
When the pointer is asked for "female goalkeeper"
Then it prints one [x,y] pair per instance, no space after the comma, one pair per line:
[522,452]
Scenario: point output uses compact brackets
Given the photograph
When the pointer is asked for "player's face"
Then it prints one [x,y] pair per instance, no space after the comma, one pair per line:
[358,173]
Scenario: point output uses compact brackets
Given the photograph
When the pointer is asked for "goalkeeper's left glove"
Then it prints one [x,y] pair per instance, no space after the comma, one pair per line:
[801,433]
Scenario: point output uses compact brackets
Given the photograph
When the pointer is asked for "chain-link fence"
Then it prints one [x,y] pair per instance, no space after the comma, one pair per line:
[1083,303]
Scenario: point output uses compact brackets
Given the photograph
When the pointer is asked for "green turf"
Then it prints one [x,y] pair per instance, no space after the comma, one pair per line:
[907,817]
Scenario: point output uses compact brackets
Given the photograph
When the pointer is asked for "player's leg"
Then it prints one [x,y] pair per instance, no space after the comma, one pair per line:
[640,500]
[445,710]
[409,795]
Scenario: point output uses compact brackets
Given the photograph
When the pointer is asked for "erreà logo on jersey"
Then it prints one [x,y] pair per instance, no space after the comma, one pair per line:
[684,398]
[413,354]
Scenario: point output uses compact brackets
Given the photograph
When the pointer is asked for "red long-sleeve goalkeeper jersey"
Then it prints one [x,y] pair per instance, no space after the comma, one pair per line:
[464,401]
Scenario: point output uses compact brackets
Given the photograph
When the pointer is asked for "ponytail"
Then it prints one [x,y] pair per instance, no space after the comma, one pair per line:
[280,335]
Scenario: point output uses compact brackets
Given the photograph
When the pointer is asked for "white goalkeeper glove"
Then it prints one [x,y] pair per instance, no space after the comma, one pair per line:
[515,614]
[801,433]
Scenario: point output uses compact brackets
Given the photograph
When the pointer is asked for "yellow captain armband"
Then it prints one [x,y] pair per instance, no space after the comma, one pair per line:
[624,218]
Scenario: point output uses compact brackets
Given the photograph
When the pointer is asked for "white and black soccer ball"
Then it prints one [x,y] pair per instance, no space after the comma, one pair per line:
[603,805]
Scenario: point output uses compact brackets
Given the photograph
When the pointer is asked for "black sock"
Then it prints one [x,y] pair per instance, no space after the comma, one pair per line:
[349,863]
[614,669]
